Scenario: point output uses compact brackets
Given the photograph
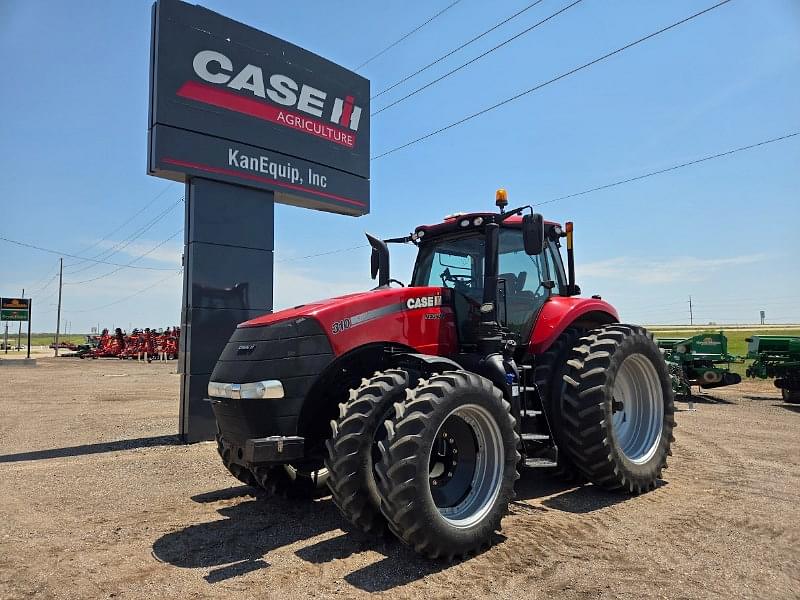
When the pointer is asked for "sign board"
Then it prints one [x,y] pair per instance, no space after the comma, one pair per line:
[14,309]
[231,103]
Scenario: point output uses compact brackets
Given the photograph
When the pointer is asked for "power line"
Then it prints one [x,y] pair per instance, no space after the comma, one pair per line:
[700,160]
[407,35]
[128,220]
[131,238]
[476,59]
[57,253]
[118,269]
[672,168]
[44,287]
[50,274]
[454,50]
[128,297]
[550,81]
[323,253]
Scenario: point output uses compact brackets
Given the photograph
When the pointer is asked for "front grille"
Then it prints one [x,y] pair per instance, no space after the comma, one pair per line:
[294,352]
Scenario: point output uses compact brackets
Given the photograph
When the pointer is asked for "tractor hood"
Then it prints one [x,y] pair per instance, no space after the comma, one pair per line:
[414,316]
[315,308]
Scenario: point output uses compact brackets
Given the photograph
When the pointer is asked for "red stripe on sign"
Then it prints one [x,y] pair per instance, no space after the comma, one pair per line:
[208,94]
[253,177]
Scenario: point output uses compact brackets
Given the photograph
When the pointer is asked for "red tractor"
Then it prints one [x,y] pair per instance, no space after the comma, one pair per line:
[418,406]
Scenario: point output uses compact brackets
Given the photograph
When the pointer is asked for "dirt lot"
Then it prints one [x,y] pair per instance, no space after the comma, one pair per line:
[97,500]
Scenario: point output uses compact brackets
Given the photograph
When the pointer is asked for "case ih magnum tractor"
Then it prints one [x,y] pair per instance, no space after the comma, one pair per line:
[418,406]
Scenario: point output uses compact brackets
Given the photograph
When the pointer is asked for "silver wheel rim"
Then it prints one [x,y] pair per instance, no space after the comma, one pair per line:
[637,408]
[484,486]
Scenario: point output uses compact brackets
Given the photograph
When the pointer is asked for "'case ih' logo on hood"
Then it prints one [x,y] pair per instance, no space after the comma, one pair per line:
[335,119]
[424,302]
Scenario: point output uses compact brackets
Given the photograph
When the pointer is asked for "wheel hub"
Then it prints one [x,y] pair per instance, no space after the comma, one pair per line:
[444,460]
[637,408]
[466,465]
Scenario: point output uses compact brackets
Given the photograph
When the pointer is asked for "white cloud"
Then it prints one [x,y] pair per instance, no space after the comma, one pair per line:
[666,270]
[169,252]
[300,285]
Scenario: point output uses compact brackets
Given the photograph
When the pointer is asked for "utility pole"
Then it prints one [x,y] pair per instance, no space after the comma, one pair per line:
[691,316]
[19,331]
[58,314]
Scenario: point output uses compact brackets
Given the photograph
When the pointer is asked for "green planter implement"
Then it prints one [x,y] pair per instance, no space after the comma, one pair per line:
[701,360]
[776,356]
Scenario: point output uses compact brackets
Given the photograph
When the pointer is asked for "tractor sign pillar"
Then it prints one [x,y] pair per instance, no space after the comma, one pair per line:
[227,280]
[245,120]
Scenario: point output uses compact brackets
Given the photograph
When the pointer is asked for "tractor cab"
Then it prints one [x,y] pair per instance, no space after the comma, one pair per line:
[524,267]
[453,256]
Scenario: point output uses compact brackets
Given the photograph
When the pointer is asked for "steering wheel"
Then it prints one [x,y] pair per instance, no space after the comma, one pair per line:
[463,280]
[400,283]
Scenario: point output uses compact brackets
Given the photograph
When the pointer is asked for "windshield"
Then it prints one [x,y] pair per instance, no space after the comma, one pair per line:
[456,262]
[453,262]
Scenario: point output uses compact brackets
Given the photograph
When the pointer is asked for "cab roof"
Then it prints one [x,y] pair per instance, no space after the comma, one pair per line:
[454,223]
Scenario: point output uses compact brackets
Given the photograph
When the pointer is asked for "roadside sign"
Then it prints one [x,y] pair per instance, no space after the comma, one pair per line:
[234,104]
[15,309]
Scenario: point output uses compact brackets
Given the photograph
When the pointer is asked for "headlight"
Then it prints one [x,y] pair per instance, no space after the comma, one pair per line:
[271,388]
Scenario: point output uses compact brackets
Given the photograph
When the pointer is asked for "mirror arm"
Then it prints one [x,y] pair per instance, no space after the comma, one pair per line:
[398,240]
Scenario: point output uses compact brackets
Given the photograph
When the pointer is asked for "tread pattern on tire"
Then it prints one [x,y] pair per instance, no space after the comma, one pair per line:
[586,427]
[545,370]
[353,434]
[396,471]
[241,472]
[276,481]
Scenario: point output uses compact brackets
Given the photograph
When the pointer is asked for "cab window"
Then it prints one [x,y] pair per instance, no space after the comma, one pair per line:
[521,291]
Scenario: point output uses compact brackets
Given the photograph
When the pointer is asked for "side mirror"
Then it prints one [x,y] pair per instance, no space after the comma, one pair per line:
[379,260]
[533,234]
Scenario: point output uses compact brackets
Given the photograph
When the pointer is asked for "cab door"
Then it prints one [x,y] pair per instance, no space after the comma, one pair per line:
[522,288]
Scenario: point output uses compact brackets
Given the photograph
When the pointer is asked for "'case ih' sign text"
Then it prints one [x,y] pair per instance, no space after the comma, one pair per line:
[232,103]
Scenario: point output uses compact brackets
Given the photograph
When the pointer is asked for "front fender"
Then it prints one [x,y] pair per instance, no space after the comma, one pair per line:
[560,312]
[425,363]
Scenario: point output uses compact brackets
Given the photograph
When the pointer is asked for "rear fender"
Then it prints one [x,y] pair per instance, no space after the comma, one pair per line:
[560,312]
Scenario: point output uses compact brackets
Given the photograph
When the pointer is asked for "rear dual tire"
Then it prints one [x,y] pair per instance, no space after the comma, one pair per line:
[618,408]
[548,375]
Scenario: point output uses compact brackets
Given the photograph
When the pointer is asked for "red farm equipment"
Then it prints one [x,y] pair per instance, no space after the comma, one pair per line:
[144,344]
[418,406]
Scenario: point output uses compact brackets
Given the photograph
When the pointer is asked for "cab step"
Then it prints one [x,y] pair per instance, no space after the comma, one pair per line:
[539,463]
[535,437]
[530,413]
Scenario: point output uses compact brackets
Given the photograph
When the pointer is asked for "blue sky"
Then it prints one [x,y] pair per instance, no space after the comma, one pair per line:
[73,149]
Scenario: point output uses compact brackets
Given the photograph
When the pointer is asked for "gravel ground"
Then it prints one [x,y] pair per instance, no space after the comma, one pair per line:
[97,500]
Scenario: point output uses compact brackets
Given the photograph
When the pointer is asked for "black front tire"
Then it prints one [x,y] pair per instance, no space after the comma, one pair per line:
[352,447]
[296,482]
[241,472]
[406,475]
[612,453]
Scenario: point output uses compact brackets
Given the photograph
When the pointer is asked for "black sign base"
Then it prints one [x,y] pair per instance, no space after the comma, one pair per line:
[228,261]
